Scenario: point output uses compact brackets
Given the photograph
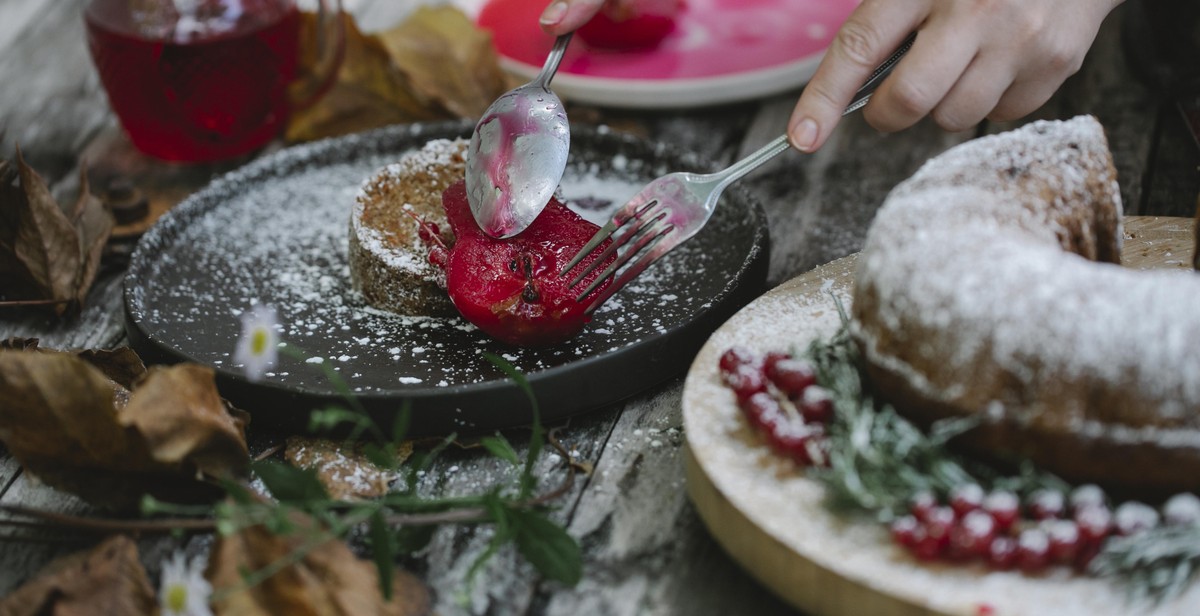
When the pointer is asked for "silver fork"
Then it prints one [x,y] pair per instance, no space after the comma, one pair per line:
[671,209]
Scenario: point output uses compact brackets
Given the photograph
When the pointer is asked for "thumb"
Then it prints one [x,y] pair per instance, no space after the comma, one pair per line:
[563,16]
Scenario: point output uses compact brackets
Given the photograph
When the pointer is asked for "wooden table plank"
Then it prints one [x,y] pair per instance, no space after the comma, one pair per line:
[19,561]
[646,551]
[52,102]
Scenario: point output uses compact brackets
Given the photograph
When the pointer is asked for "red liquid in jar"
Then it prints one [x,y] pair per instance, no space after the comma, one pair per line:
[186,92]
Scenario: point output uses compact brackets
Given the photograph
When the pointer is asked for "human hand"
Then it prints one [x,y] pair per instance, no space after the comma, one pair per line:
[972,59]
[563,16]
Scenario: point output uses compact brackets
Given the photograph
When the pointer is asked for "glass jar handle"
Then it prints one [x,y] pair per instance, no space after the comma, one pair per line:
[323,46]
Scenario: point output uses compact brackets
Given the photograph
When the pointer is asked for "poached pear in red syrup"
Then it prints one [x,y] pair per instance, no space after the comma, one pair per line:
[510,288]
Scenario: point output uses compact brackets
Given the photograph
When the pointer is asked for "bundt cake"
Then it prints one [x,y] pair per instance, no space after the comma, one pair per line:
[388,260]
[988,287]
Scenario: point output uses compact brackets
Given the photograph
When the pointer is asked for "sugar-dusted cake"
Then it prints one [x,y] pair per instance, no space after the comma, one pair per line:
[988,287]
[388,259]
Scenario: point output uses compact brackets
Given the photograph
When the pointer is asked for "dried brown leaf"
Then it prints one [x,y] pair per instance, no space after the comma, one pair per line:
[48,252]
[93,225]
[121,365]
[108,579]
[342,468]
[19,344]
[45,244]
[368,92]
[185,423]
[449,61]
[68,424]
[329,580]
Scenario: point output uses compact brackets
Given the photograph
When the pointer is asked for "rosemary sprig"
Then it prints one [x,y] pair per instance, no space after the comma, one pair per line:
[878,459]
[1154,565]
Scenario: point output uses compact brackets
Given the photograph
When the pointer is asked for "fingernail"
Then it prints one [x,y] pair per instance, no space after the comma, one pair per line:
[553,14]
[804,135]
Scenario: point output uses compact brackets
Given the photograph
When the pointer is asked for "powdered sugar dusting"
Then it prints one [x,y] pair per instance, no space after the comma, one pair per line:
[852,557]
[966,274]
[276,232]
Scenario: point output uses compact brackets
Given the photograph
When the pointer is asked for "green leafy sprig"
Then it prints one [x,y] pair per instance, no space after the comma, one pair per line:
[403,520]
[1154,564]
[879,460]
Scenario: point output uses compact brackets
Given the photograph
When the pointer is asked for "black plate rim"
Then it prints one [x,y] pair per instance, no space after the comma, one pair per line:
[747,283]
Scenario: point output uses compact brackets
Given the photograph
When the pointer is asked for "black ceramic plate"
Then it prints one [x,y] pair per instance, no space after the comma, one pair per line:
[275,232]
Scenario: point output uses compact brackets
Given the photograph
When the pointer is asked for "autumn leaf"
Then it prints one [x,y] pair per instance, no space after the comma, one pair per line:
[48,251]
[448,60]
[325,580]
[368,92]
[72,421]
[434,65]
[343,468]
[108,579]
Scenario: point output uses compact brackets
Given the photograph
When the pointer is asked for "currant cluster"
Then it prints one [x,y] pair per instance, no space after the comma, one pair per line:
[779,396]
[1048,528]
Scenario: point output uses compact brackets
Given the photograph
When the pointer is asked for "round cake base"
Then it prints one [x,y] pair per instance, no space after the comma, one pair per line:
[771,519]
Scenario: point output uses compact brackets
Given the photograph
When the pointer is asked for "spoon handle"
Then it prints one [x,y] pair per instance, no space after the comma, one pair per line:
[552,60]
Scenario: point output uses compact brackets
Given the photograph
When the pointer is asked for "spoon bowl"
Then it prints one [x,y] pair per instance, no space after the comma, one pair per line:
[518,152]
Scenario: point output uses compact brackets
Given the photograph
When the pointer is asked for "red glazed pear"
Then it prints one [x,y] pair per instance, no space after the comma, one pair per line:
[510,288]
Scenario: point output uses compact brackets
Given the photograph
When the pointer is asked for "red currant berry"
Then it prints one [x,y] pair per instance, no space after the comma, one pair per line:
[966,498]
[939,521]
[1133,517]
[791,376]
[745,380]
[1087,495]
[905,530]
[438,256]
[1087,552]
[798,444]
[1033,549]
[772,358]
[973,534]
[735,357]
[427,231]
[1064,540]
[1183,509]
[1046,504]
[921,504]
[1002,553]
[1004,507]
[816,405]
[762,411]
[929,547]
[1094,524]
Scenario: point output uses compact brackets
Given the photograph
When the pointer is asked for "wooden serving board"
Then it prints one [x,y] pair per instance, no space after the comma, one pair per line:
[770,518]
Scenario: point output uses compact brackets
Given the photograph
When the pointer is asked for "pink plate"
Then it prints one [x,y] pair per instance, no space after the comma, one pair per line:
[720,51]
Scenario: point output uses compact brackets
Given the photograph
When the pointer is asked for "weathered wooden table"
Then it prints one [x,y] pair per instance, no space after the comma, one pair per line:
[645,549]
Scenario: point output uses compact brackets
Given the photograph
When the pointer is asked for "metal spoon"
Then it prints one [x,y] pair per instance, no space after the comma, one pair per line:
[518,153]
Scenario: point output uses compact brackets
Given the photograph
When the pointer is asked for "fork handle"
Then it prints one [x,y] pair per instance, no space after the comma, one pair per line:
[780,144]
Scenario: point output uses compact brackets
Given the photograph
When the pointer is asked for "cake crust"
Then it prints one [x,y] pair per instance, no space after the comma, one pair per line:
[988,288]
[388,259]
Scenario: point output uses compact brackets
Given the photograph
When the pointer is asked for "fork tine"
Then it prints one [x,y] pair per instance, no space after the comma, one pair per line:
[650,234]
[601,234]
[620,237]
[633,271]
[623,215]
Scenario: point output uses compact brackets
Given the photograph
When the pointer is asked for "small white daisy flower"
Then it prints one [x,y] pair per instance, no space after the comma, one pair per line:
[258,348]
[183,590]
